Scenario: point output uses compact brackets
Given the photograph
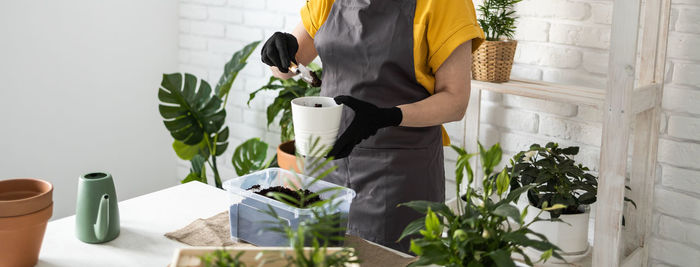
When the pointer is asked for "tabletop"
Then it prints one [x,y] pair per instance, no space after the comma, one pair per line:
[144,221]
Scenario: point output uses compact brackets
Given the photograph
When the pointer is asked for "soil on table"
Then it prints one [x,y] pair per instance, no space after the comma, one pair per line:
[294,194]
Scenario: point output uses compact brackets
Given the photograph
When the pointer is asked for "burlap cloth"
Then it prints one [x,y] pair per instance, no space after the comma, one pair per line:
[215,231]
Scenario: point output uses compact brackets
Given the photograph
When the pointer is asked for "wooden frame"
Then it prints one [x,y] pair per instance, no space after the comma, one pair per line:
[624,105]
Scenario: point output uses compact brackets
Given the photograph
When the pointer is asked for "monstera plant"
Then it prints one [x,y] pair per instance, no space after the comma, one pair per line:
[194,114]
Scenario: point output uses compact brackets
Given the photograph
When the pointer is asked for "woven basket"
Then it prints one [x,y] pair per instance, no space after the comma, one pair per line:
[493,60]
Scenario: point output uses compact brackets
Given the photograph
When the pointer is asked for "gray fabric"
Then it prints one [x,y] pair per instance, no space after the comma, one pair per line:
[367,52]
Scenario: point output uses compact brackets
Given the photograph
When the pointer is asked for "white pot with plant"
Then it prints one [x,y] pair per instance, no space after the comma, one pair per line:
[556,179]
[287,90]
[493,60]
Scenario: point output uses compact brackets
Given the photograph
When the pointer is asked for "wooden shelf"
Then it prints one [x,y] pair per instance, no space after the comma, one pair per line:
[547,91]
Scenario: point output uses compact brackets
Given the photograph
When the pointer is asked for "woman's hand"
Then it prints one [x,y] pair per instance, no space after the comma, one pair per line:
[368,119]
[304,51]
[280,51]
[452,87]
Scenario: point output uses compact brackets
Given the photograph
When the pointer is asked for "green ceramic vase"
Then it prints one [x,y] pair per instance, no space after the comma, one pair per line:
[97,209]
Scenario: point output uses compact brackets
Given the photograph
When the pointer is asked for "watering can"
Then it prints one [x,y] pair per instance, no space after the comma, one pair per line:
[96,210]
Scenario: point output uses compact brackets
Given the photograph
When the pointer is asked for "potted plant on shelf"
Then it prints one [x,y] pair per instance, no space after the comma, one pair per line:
[554,178]
[493,60]
[288,90]
[195,115]
[477,233]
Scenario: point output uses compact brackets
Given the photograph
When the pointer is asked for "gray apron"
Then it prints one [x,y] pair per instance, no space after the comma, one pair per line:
[366,47]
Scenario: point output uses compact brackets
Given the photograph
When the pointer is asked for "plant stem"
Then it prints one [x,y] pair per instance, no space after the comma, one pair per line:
[214,168]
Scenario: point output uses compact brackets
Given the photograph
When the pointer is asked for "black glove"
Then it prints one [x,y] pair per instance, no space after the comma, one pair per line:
[368,119]
[279,50]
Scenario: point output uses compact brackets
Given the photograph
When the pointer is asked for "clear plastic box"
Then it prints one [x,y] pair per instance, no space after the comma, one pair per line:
[246,216]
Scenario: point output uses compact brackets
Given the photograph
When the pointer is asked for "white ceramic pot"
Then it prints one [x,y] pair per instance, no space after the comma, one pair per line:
[315,117]
[571,238]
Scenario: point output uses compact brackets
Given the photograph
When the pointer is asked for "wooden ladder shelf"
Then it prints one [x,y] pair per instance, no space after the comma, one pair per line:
[624,105]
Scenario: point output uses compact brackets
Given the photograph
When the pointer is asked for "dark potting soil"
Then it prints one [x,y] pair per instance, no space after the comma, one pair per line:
[294,194]
[318,105]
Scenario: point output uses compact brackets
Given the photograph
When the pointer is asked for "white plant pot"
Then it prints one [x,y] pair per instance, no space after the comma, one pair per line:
[311,121]
[571,236]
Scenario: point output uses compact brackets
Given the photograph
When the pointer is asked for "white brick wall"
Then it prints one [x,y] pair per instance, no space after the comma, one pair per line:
[558,40]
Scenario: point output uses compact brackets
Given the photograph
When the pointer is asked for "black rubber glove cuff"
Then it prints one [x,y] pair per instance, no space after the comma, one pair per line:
[392,116]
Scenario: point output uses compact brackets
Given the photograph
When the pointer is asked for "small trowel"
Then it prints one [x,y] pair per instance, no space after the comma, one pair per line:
[306,74]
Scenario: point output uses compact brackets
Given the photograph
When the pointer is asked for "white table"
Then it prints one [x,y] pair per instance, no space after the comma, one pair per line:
[144,221]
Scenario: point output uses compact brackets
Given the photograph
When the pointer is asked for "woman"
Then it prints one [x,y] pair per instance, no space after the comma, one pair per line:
[402,67]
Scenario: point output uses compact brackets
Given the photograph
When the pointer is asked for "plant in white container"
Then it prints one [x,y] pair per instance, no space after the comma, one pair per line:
[555,178]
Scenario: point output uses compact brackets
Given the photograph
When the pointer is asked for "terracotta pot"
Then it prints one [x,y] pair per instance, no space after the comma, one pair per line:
[25,207]
[286,157]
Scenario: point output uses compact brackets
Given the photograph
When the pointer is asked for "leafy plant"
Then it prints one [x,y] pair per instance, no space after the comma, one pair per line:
[498,18]
[222,258]
[555,178]
[288,89]
[485,229]
[194,115]
[315,166]
[324,228]
[250,156]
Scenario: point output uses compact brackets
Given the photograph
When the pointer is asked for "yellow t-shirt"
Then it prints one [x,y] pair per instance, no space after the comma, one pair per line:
[439,27]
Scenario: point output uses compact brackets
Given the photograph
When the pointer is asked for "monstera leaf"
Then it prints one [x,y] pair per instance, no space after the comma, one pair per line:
[189,112]
[232,68]
[250,156]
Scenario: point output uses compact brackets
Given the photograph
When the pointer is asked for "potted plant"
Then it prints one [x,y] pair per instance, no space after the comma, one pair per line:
[288,90]
[195,115]
[25,207]
[308,236]
[554,178]
[477,233]
[493,60]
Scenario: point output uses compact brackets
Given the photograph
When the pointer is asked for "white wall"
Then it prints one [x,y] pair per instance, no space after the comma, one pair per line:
[78,93]
[562,41]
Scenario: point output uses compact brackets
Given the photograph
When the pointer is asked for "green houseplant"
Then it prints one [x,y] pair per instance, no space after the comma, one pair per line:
[194,115]
[555,178]
[481,231]
[493,60]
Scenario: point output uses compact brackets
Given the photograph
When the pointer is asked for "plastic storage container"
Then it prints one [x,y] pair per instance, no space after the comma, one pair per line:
[248,220]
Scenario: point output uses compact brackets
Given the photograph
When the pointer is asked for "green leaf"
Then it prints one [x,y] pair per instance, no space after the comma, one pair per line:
[501,258]
[490,158]
[432,224]
[187,114]
[413,228]
[190,177]
[546,255]
[555,207]
[186,152]
[232,68]
[197,170]
[508,210]
[570,151]
[587,198]
[221,141]
[249,156]
[502,182]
